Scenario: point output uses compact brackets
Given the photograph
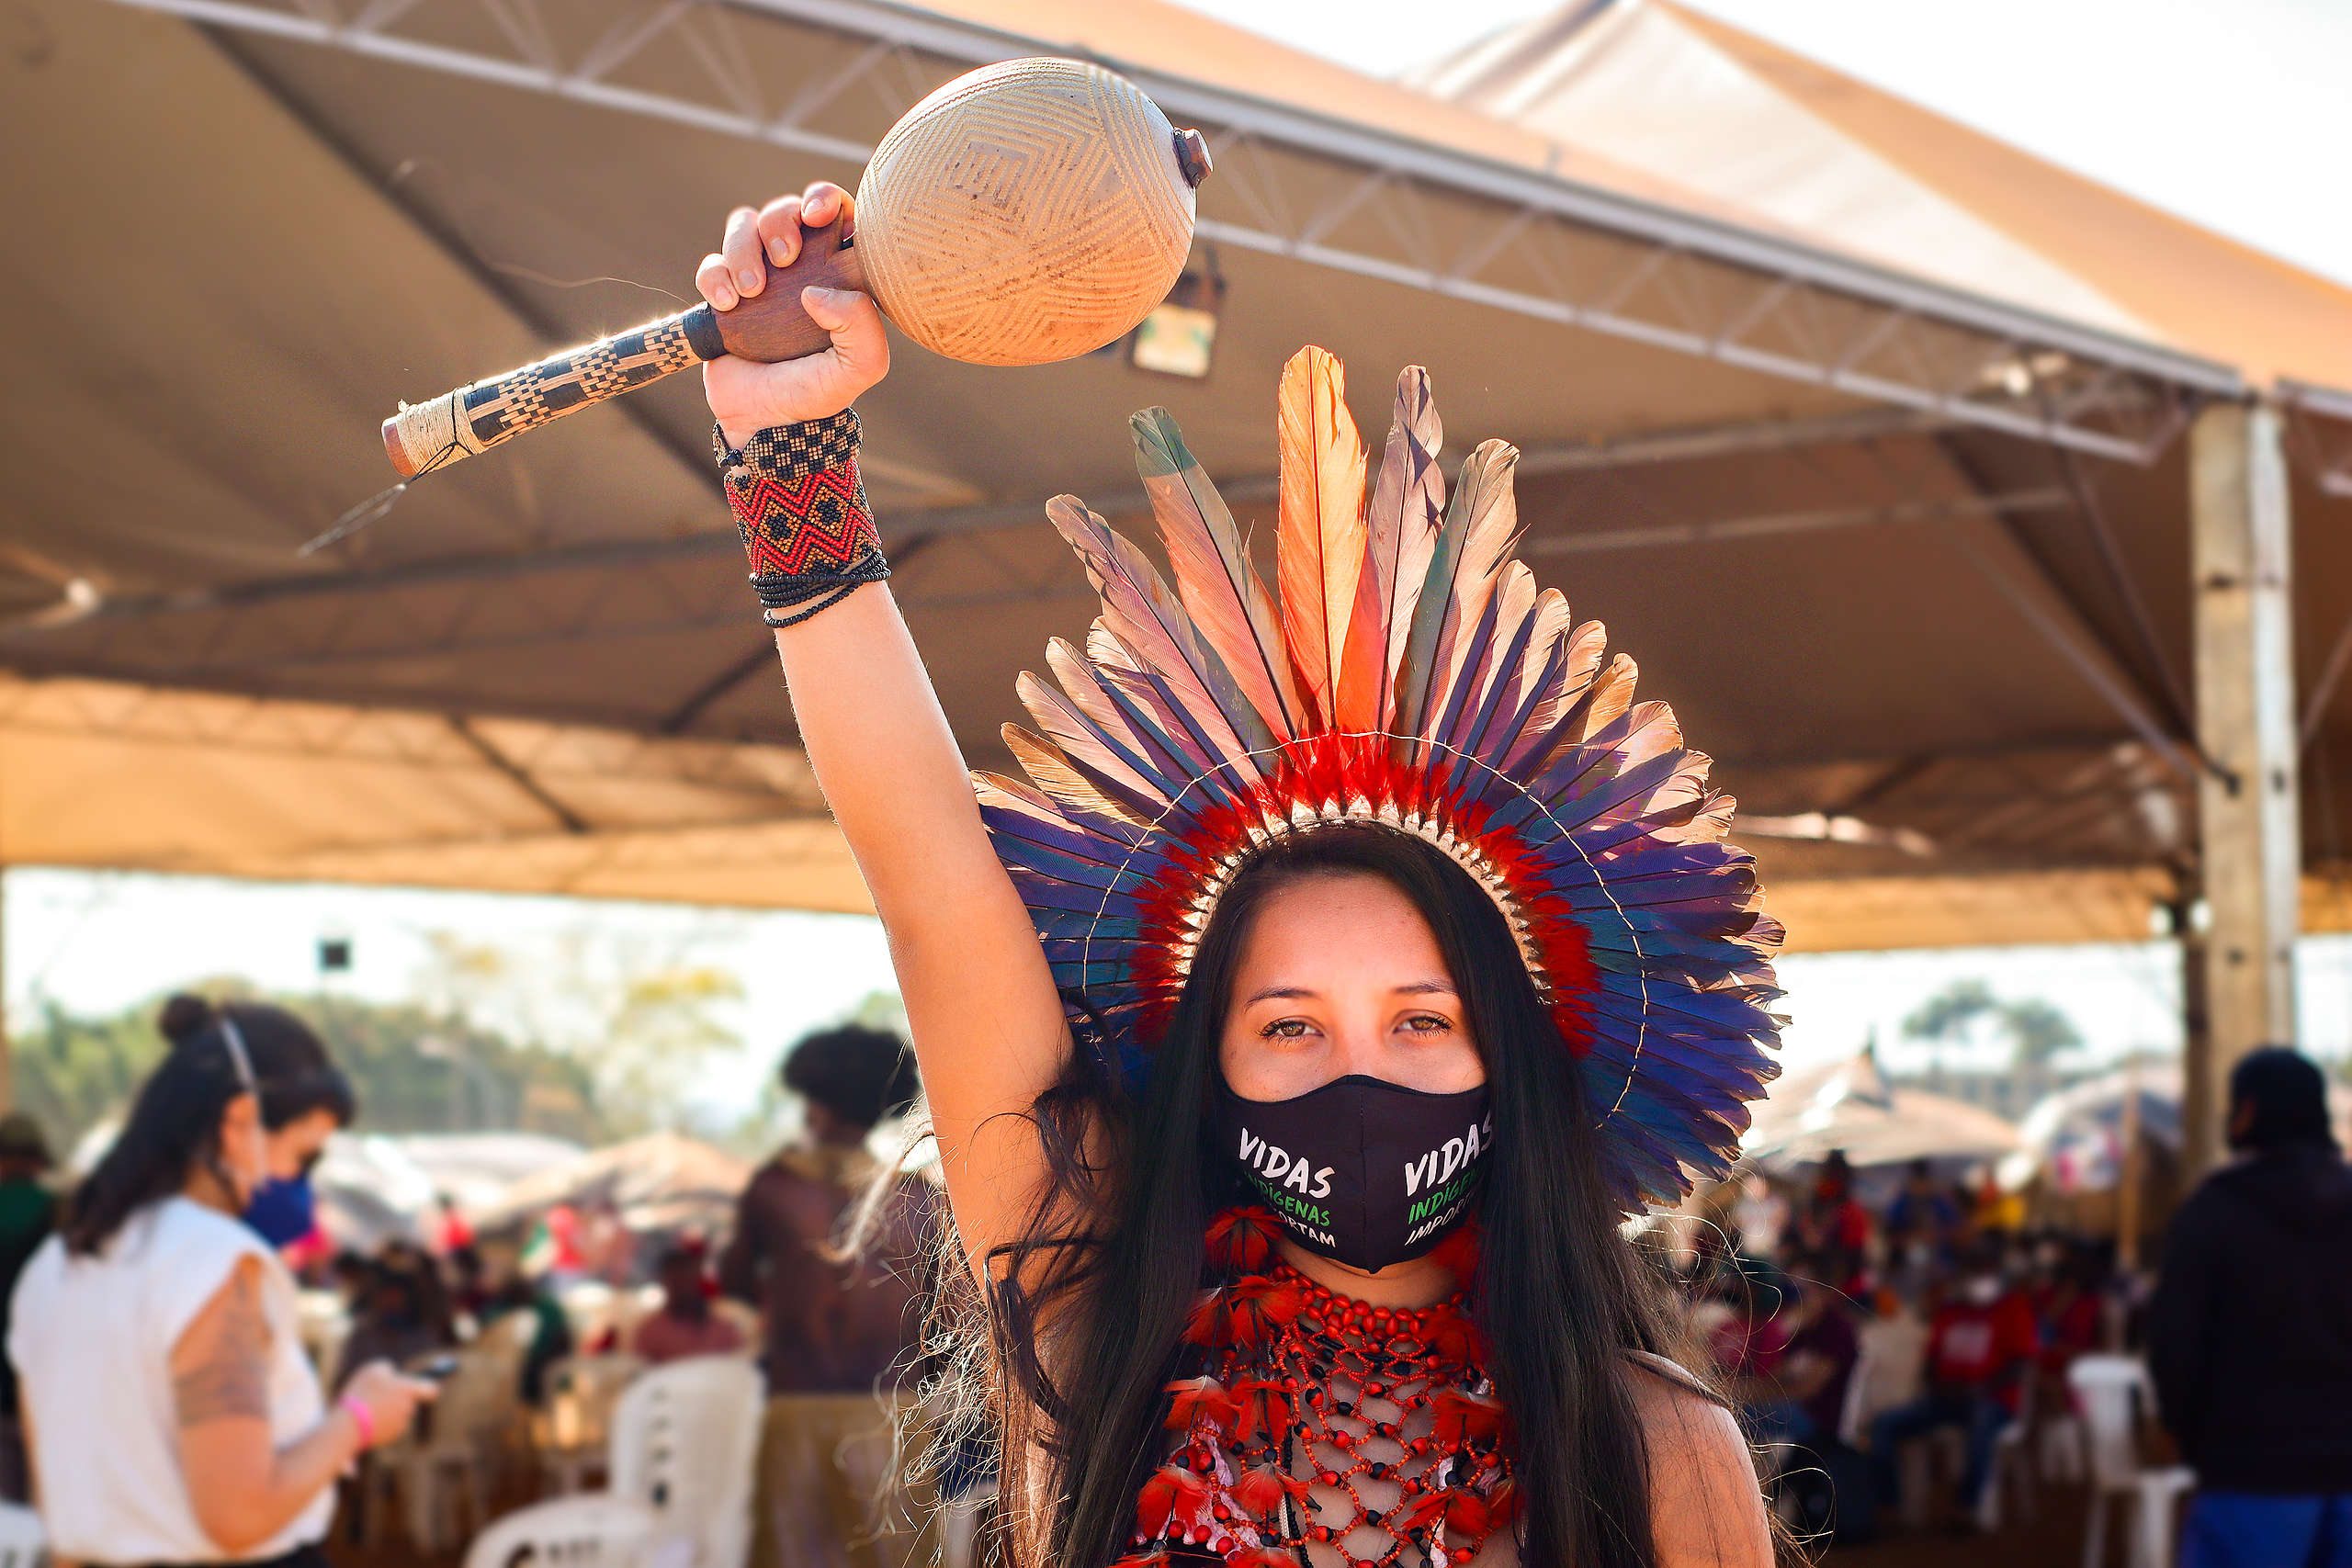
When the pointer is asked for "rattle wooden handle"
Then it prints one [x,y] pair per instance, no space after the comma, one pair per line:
[769,327]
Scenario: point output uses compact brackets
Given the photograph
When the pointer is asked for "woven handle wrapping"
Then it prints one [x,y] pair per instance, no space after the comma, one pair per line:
[769,327]
[473,419]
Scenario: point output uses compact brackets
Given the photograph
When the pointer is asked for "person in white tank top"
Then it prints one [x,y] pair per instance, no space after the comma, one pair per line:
[172,1416]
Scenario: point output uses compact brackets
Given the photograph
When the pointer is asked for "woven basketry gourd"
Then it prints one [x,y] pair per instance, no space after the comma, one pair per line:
[1024,213]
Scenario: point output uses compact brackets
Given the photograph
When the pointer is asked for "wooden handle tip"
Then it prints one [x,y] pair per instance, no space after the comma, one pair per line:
[425,435]
[395,451]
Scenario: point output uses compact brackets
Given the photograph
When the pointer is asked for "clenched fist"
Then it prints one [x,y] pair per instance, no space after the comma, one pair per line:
[747,397]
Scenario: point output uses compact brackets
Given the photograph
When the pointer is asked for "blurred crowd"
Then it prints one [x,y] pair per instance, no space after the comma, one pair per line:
[578,1301]
[1864,1341]
[1873,1327]
[1846,1331]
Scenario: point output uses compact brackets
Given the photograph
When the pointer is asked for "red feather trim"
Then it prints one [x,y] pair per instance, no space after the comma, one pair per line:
[1241,1241]
[1200,1399]
[1332,775]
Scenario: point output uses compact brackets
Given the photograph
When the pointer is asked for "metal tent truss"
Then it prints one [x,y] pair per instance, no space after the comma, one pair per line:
[291,634]
[2320,424]
[828,76]
[2013,809]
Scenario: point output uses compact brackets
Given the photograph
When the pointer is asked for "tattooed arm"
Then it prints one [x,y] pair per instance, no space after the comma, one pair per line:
[244,1487]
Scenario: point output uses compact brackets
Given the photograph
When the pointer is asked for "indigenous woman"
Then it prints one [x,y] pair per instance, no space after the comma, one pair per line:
[1297,1036]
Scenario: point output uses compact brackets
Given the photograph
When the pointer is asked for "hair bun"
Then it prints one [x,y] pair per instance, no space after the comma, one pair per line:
[184,1017]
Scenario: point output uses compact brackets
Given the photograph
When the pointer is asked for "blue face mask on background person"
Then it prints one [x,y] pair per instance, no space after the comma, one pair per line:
[283,1212]
[1364,1172]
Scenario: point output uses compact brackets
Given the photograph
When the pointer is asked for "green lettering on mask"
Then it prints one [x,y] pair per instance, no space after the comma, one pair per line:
[1291,1203]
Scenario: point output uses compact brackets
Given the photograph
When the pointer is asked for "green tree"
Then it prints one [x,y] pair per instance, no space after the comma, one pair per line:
[659,1031]
[641,1018]
[69,1073]
[419,1071]
[2037,1031]
[413,1070]
[1946,1018]
[881,1009]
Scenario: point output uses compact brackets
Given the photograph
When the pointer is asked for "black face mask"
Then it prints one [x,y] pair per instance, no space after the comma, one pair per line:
[1362,1170]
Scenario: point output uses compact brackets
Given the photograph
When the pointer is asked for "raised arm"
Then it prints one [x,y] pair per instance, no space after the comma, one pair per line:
[980,1002]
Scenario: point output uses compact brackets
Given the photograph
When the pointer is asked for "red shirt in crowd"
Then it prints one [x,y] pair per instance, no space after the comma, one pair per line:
[1849,1225]
[1971,1345]
[2071,1324]
[665,1336]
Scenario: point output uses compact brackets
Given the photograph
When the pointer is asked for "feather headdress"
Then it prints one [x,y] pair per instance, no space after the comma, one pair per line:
[1407,671]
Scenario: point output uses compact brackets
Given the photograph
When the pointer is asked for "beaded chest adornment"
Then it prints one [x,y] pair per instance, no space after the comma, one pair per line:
[1327,1432]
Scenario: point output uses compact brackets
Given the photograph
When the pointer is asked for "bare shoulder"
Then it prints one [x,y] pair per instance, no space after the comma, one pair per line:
[1706,1508]
[220,1364]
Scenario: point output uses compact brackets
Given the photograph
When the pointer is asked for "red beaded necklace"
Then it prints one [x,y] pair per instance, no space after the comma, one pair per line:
[1370,1432]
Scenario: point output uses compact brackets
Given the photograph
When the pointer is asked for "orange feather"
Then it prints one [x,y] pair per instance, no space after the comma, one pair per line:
[1319,539]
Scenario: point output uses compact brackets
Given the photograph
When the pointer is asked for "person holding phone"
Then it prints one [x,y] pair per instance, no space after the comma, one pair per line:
[173,1416]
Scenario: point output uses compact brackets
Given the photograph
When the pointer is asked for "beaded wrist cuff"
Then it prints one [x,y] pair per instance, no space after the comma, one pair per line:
[801,507]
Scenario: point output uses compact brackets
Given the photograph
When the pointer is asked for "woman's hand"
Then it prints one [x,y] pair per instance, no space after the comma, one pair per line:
[746,397]
[390,1398]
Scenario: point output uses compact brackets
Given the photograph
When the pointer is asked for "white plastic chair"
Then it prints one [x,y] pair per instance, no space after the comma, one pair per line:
[574,1432]
[2113,1391]
[23,1543]
[1887,1373]
[465,1424]
[685,1443]
[2008,1478]
[2061,1455]
[2008,1481]
[570,1532]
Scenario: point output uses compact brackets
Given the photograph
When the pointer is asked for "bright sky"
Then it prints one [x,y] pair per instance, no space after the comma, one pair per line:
[2227,115]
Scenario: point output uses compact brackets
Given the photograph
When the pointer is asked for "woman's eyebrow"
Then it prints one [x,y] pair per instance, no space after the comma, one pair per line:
[1296,993]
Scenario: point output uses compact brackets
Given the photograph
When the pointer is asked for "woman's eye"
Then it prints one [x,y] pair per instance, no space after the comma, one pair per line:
[1428,1023]
[1283,1029]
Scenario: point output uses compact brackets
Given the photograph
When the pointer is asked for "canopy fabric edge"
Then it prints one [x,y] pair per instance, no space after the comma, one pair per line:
[104,774]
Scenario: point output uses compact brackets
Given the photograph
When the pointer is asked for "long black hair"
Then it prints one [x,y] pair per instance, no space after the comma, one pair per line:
[174,1129]
[1087,1307]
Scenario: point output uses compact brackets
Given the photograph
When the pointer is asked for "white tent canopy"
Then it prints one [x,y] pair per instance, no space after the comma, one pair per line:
[1849,1106]
[1896,515]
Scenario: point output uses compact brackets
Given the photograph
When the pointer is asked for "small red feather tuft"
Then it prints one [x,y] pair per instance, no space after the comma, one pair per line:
[1172,1497]
[1241,1241]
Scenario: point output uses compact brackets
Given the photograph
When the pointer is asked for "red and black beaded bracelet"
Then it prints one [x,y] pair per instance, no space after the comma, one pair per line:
[801,507]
